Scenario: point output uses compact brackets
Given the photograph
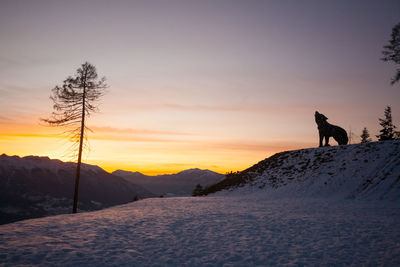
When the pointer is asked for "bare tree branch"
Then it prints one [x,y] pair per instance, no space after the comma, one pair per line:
[73,102]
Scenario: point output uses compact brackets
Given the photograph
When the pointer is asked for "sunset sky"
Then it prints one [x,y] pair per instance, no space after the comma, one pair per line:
[215,85]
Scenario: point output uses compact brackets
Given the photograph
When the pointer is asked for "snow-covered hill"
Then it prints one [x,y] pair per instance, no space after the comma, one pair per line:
[309,207]
[361,171]
[182,183]
[38,186]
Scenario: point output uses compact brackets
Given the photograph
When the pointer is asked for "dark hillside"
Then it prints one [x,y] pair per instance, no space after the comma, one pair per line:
[33,187]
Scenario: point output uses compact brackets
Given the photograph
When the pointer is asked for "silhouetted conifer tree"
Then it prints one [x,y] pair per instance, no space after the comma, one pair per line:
[198,191]
[365,137]
[391,52]
[74,101]
[387,131]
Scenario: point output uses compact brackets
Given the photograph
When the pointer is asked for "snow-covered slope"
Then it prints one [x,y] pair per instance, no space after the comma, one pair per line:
[311,207]
[361,171]
[182,183]
[38,186]
[211,231]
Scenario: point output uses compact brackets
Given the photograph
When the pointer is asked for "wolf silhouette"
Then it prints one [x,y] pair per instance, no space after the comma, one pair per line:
[327,130]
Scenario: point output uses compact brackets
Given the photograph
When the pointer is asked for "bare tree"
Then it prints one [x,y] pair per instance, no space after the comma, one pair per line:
[74,101]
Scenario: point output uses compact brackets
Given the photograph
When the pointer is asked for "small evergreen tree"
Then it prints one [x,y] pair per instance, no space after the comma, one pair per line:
[391,52]
[198,191]
[387,131]
[365,137]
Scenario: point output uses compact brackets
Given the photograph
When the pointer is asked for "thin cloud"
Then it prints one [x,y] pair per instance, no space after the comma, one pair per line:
[216,108]
[102,137]
[108,129]
[243,108]
[29,135]
[16,89]
[23,61]
[4,119]
[126,138]
[198,145]
[259,146]
[10,62]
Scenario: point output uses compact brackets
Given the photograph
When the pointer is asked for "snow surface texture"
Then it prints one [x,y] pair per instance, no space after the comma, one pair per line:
[212,231]
[362,171]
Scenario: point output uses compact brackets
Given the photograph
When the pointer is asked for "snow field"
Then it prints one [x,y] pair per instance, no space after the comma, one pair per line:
[247,230]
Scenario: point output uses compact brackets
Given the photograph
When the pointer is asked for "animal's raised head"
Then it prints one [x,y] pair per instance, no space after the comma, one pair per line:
[320,118]
[327,130]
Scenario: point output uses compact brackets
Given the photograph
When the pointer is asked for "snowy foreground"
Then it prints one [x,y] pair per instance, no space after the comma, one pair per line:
[247,230]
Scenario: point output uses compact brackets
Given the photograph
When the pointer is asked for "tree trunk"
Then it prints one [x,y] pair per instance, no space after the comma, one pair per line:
[78,166]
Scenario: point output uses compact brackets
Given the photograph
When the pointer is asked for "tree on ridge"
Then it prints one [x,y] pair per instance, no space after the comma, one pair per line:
[198,190]
[391,52]
[365,137]
[75,101]
[388,129]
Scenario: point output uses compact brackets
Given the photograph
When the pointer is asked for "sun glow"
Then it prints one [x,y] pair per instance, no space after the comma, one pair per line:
[215,85]
[149,152]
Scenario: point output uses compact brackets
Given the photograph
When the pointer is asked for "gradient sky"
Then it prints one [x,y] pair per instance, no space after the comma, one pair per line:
[209,84]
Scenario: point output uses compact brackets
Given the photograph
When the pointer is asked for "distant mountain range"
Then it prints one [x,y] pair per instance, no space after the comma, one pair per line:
[182,183]
[328,206]
[38,186]
[34,186]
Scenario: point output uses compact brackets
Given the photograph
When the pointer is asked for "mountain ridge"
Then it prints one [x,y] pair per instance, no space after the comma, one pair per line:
[34,186]
[181,183]
[41,159]
[191,170]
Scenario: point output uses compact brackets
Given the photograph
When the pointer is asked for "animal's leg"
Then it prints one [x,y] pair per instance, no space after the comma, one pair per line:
[326,140]
[321,137]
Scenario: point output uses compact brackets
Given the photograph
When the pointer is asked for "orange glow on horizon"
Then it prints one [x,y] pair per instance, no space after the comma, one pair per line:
[216,85]
[149,153]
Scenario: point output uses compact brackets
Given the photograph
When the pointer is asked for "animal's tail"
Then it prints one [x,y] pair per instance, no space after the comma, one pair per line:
[345,139]
[341,136]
